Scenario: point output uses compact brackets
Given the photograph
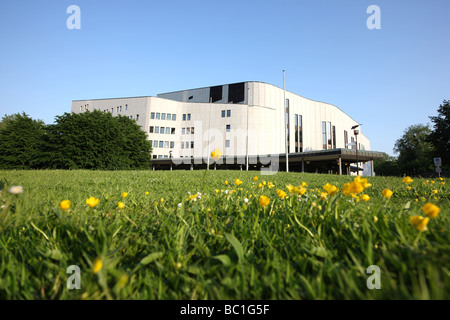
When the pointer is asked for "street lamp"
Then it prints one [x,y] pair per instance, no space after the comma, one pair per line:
[356,132]
[170,156]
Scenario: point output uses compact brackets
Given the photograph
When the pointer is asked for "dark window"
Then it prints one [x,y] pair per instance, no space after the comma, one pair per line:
[191,97]
[228,113]
[192,130]
[324,135]
[184,117]
[172,144]
[236,92]
[223,113]
[228,128]
[215,93]
[173,130]
[152,115]
[345,139]
[334,137]
[151,129]
[189,116]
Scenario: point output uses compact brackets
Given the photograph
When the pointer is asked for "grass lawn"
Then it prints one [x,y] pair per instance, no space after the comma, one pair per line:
[189,235]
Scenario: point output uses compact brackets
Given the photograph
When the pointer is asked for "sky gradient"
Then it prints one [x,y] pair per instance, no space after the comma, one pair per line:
[386,79]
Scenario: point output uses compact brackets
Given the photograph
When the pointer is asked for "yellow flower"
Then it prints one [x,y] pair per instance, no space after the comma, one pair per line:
[323,195]
[419,222]
[216,154]
[161,200]
[431,210]
[264,183]
[290,188]
[65,204]
[434,191]
[237,182]
[120,205]
[264,201]
[260,185]
[408,188]
[255,178]
[299,190]
[124,194]
[226,182]
[387,193]
[364,197]
[281,193]
[407,180]
[330,189]
[92,202]
[146,193]
[304,184]
[363,182]
[98,265]
[270,185]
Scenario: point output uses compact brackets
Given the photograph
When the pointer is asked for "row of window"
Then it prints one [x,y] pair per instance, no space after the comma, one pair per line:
[163,116]
[228,113]
[161,130]
[187,144]
[187,117]
[328,135]
[187,130]
[162,144]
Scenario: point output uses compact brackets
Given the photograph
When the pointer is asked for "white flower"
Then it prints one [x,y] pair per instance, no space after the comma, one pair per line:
[179,205]
[245,200]
[226,191]
[15,189]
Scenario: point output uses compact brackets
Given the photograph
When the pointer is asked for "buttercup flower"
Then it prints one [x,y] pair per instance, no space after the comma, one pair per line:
[146,193]
[98,265]
[260,185]
[92,202]
[323,195]
[264,201]
[64,205]
[15,190]
[120,205]
[238,182]
[330,189]
[419,222]
[434,191]
[216,154]
[124,194]
[431,210]
[304,184]
[407,180]
[281,193]
[255,178]
[226,182]
[290,188]
[364,197]
[387,193]
[299,190]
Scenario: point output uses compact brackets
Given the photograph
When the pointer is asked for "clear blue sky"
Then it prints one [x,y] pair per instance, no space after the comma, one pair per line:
[385,79]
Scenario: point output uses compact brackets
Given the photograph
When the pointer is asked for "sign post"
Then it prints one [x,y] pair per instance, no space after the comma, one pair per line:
[438,164]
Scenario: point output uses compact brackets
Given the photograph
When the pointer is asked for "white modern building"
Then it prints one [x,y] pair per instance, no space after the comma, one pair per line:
[247,121]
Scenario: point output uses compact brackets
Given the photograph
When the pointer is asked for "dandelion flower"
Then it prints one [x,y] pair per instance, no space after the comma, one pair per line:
[64,205]
[15,190]
[98,265]
[216,154]
[92,202]
[264,201]
[431,210]
[387,193]
[407,180]
[419,222]
[146,193]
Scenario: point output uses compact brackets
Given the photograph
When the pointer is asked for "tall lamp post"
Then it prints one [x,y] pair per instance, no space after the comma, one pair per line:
[356,132]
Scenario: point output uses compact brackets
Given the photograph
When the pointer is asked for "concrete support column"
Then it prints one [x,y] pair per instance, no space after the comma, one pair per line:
[340,166]
[192,166]
[372,173]
[303,165]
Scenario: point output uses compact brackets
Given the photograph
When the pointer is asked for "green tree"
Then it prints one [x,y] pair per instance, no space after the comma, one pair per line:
[415,151]
[94,140]
[387,166]
[440,135]
[19,141]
